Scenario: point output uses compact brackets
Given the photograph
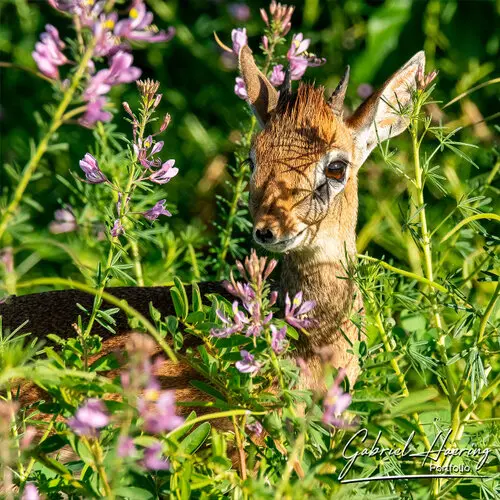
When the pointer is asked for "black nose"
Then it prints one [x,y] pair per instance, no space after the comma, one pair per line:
[264,235]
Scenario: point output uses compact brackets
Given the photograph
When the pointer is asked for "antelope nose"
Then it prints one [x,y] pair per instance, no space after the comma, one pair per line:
[264,235]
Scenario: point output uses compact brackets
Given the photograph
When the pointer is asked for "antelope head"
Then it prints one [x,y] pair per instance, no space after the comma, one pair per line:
[306,158]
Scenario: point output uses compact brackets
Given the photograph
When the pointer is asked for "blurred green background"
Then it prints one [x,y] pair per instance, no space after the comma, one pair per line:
[461,40]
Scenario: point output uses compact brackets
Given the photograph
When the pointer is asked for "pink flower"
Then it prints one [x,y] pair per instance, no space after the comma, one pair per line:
[295,308]
[278,342]
[27,438]
[91,169]
[277,76]
[117,229]
[239,89]
[165,173]
[159,416]
[336,402]
[256,428]
[239,38]
[47,53]
[153,459]
[138,26]
[153,213]
[125,447]
[120,71]
[146,150]
[247,363]
[299,45]
[64,222]
[30,492]
[89,418]
[95,113]
[239,11]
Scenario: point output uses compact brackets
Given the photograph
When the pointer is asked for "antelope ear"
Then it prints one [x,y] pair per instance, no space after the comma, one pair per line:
[385,113]
[262,96]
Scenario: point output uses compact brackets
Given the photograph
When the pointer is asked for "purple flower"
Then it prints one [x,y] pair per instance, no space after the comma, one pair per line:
[125,447]
[89,418]
[278,339]
[295,308]
[159,416]
[117,229]
[256,428]
[120,71]
[239,38]
[235,326]
[95,113]
[153,459]
[240,89]
[64,222]
[7,259]
[106,43]
[145,151]
[299,45]
[153,213]
[91,169]
[364,90]
[30,492]
[299,59]
[247,363]
[277,76]
[47,53]
[138,26]
[239,11]
[336,402]
[165,173]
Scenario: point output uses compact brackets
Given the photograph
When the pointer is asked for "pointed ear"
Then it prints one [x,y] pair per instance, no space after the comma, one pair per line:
[262,96]
[385,113]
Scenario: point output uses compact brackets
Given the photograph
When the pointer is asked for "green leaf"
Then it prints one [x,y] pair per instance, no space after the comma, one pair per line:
[172,324]
[182,432]
[179,307]
[191,443]
[195,317]
[133,492]
[197,303]
[207,389]
[414,401]
[184,298]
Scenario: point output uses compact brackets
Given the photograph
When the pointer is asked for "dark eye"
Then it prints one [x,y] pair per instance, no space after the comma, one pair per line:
[336,170]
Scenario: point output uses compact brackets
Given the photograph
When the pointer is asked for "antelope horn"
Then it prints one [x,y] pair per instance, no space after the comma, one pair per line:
[336,100]
[286,87]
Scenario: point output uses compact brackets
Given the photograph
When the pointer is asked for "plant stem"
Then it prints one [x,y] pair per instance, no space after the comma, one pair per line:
[241,450]
[401,378]
[426,242]
[402,272]
[237,193]
[137,262]
[44,143]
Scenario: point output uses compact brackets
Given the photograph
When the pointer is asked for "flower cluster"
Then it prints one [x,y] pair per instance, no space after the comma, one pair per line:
[278,24]
[251,320]
[110,38]
[145,152]
[251,311]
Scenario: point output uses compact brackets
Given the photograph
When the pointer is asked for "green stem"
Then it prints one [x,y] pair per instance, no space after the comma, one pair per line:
[44,143]
[213,416]
[402,272]
[194,262]
[401,378]
[487,314]
[122,304]
[137,262]
[470,219]
[237,193]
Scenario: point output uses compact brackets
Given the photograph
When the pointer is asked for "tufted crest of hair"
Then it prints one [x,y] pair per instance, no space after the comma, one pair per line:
[301,129]
[303,120]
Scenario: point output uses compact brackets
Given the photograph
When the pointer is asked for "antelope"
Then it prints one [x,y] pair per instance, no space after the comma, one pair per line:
[303,201]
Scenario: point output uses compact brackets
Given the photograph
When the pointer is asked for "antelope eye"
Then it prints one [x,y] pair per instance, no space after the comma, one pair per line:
[336,170]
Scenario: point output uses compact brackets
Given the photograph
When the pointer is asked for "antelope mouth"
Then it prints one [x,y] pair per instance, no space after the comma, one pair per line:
[286,244]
